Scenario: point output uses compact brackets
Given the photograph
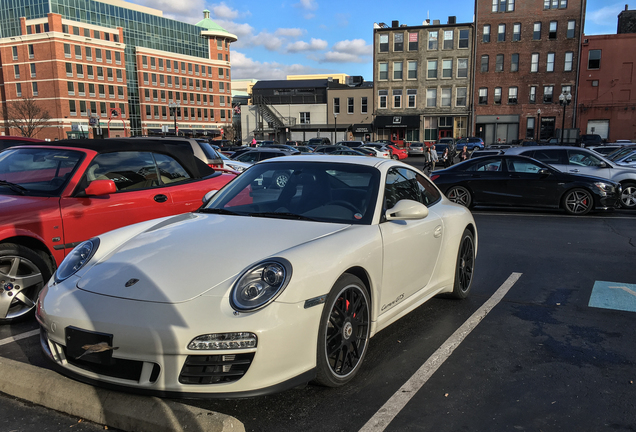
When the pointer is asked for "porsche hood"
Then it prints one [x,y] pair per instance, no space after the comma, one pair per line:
[186,256]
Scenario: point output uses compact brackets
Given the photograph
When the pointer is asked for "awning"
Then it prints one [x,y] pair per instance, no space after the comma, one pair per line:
[362,128]
[383,122]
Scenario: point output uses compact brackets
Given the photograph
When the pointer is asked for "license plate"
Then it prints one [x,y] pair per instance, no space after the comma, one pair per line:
[89,346]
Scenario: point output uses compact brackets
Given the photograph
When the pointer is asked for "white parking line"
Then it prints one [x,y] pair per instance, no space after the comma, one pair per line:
[20,336]
[398,401]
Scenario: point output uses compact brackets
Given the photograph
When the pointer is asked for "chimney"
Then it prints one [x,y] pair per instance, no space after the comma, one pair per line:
[395,24]
[452,19]
[435,22]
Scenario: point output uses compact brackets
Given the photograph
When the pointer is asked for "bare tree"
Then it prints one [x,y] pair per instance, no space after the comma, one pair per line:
[27,116]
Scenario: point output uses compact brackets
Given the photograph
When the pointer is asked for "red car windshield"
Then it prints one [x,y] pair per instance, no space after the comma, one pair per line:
[37,171]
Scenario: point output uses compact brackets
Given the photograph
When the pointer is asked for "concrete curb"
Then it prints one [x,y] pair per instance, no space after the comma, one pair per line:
[118,410]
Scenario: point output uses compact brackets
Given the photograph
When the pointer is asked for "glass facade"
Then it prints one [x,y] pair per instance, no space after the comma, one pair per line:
[140,29]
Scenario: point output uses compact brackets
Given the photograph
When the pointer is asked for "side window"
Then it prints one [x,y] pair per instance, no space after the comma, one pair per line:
[548,156]
[580,158]
[523,166]
[402,183]
[490,165]
[129,170]
[248,157]
[170,171]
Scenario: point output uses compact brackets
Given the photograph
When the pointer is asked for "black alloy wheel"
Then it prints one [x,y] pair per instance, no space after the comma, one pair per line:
[460,195]
[578,202]
[465,266]
[344,332]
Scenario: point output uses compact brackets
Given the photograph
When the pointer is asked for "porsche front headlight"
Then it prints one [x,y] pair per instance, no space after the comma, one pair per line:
[260,284]
[76,259]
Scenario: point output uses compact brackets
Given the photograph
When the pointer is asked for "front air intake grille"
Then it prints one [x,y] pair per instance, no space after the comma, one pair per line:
[120,368]
[215,369]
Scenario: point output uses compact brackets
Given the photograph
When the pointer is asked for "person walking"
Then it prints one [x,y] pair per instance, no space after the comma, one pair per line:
[445,160]
[427,160]
[463,155]
[434,157]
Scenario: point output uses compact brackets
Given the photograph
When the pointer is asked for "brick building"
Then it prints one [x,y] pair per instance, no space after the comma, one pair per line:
[113,66]
[607,88]
[422,80]
[526,56]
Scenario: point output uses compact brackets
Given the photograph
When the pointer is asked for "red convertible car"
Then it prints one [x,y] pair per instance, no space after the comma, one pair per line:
[54,196]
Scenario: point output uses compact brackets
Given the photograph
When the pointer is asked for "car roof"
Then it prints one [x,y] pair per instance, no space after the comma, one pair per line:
[368,161]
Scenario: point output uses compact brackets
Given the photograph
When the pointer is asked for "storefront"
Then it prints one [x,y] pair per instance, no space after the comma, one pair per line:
[493,129]
[398,128]
[361,132]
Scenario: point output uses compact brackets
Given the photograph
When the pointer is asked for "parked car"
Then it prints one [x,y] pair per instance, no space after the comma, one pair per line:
[385,141]
[368,151]
[304,149]
[328,149]
[527,143]
[398,153]
[7,141]
[590,140]
[200,147]
[56,195]
[282,147]
[351,144]
[319,141]
[294,143]
[348,152]
[628,159]
[471,143]
[450,142]
[604,150]
[619,153]
[380,146]
[328,261]
[487,152]
[577,160]
[233,164]
[262,153]
[519,181]
[416,149]
[378,152]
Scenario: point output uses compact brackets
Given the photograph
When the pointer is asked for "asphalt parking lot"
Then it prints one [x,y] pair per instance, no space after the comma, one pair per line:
[556,352]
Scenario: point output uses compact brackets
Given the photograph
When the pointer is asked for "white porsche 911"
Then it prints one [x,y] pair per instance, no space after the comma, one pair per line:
[264,287]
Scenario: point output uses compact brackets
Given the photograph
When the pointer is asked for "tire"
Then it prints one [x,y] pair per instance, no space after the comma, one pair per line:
[343,336]
[628,196]
[395,157]
[577,202]
[460,195]
[23,273]
[465,268]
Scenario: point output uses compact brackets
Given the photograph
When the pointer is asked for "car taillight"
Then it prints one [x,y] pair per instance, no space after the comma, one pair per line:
[215,165]
[435,177]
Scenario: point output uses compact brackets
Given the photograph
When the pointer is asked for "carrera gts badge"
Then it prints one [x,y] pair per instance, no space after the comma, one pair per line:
[131,282]
[96,348]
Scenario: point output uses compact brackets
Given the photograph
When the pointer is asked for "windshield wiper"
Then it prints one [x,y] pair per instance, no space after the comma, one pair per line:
[14,187]
[282,215]
[221,211]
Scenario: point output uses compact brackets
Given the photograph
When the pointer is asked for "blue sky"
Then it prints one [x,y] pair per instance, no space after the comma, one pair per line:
[282,37]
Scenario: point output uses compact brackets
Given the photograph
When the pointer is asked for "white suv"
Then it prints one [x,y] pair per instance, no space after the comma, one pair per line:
[583,161]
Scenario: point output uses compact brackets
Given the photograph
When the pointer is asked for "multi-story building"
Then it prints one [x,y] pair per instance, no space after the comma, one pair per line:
[350,107]
[422,80]
[527,55]
[115,66]
[607,87]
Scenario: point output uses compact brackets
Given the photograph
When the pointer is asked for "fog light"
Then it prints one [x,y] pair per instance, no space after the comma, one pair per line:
[223,341]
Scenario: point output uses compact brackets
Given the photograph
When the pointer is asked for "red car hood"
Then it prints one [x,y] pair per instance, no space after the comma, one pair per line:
[17,209]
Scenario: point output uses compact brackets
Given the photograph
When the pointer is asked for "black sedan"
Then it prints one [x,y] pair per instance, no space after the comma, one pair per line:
[520,181]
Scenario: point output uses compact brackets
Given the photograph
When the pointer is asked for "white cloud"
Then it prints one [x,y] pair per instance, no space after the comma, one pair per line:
[223,11]
[290,32]
[606,16]
[246,68]
[307,5]
[301,46]
[189,11]
[348,51]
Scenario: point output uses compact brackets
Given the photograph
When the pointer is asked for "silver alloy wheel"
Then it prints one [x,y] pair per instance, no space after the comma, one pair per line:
[578,202]
[628,196]
[460,195]
[20,283]
[281,180]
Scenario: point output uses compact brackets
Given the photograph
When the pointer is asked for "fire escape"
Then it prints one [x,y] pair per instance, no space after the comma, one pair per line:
[269,120]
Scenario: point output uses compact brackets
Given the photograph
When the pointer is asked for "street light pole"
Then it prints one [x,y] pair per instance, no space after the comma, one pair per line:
[564,99]
[173,110]
[335,128]
[539,125]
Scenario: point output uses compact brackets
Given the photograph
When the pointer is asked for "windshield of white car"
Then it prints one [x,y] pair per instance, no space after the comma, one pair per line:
[37,171]
[314,191]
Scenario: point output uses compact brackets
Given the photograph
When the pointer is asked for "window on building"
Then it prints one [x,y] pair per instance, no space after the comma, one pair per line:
[462,68]
[447,68]
[350,106]
[448,39]
[16,71]
[144,62]
[34,88]
[501,33]
[563,4]
[109,74]
[503,5]
[384,43]
[485,34]
[397,70]
[432,40]
[532,97]
[413,41]
[91,90]
[552,35]
[547,94]
[78,52]
[336,105]
[499,62]
[69,69]
[497,96]
[431,97]
[411,95]
[461,96]
[67,50]
[571,27]
[412,70]
[120,76]
[89,53]
[101,88]
[530,127]
[14,52]
[566,89]
[31,51]
[483,96]
[549,65]
[382,96]
[484,63]
[463,39]
[32,68]
[514,63]
[81,89]
[594,59]
[512,95]
[383,71]
[70,88]
[567,67]
[98,54]
[397,98]
[398,42]
[516,32]
[18,89]
[534,62]
[536,31]
[96,34]
[431,69]
[305,118]
[364,105]
[79,69]
[447,96]
[72,108]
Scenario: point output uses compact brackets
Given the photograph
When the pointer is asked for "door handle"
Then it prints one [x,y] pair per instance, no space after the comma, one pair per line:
[574,170]
[161,198]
